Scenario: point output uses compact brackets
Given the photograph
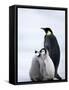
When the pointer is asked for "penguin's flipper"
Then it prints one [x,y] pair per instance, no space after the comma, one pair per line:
[58,77]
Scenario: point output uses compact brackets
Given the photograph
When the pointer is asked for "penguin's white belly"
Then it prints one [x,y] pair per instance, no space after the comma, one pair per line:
[49,69]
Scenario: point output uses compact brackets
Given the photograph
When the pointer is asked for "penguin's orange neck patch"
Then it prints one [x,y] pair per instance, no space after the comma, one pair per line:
[48,33]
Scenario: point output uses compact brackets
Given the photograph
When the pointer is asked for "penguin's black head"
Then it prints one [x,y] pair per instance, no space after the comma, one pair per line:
[41,52]
[48,31]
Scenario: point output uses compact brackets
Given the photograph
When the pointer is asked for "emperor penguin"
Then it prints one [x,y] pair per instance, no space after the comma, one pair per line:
[42,67]
[51,44]
[47,68]
[35,68]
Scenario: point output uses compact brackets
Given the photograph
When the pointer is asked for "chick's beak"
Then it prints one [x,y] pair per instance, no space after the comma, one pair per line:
[39,55]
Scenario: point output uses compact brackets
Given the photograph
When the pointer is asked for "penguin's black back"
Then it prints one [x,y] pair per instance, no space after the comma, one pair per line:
[50,43]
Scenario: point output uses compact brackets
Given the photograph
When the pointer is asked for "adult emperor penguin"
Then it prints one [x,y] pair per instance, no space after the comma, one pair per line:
[51,43]
[42,67]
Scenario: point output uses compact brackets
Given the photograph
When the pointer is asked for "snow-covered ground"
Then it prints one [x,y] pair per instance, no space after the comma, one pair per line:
[31,37]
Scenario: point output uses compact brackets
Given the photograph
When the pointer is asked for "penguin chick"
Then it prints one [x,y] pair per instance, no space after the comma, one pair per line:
[47,69]
[35,68]
[42,67]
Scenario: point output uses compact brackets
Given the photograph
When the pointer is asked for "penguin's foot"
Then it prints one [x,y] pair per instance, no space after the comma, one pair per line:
[58,77]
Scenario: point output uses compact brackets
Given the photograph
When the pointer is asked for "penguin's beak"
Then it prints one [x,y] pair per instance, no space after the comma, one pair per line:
[36,51]
[42,28]
[39,55]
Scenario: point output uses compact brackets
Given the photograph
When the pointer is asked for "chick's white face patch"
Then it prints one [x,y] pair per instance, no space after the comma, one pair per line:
[43,52]
[37,54]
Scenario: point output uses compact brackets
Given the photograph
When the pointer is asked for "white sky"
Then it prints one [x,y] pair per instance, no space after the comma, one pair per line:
[31,37]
